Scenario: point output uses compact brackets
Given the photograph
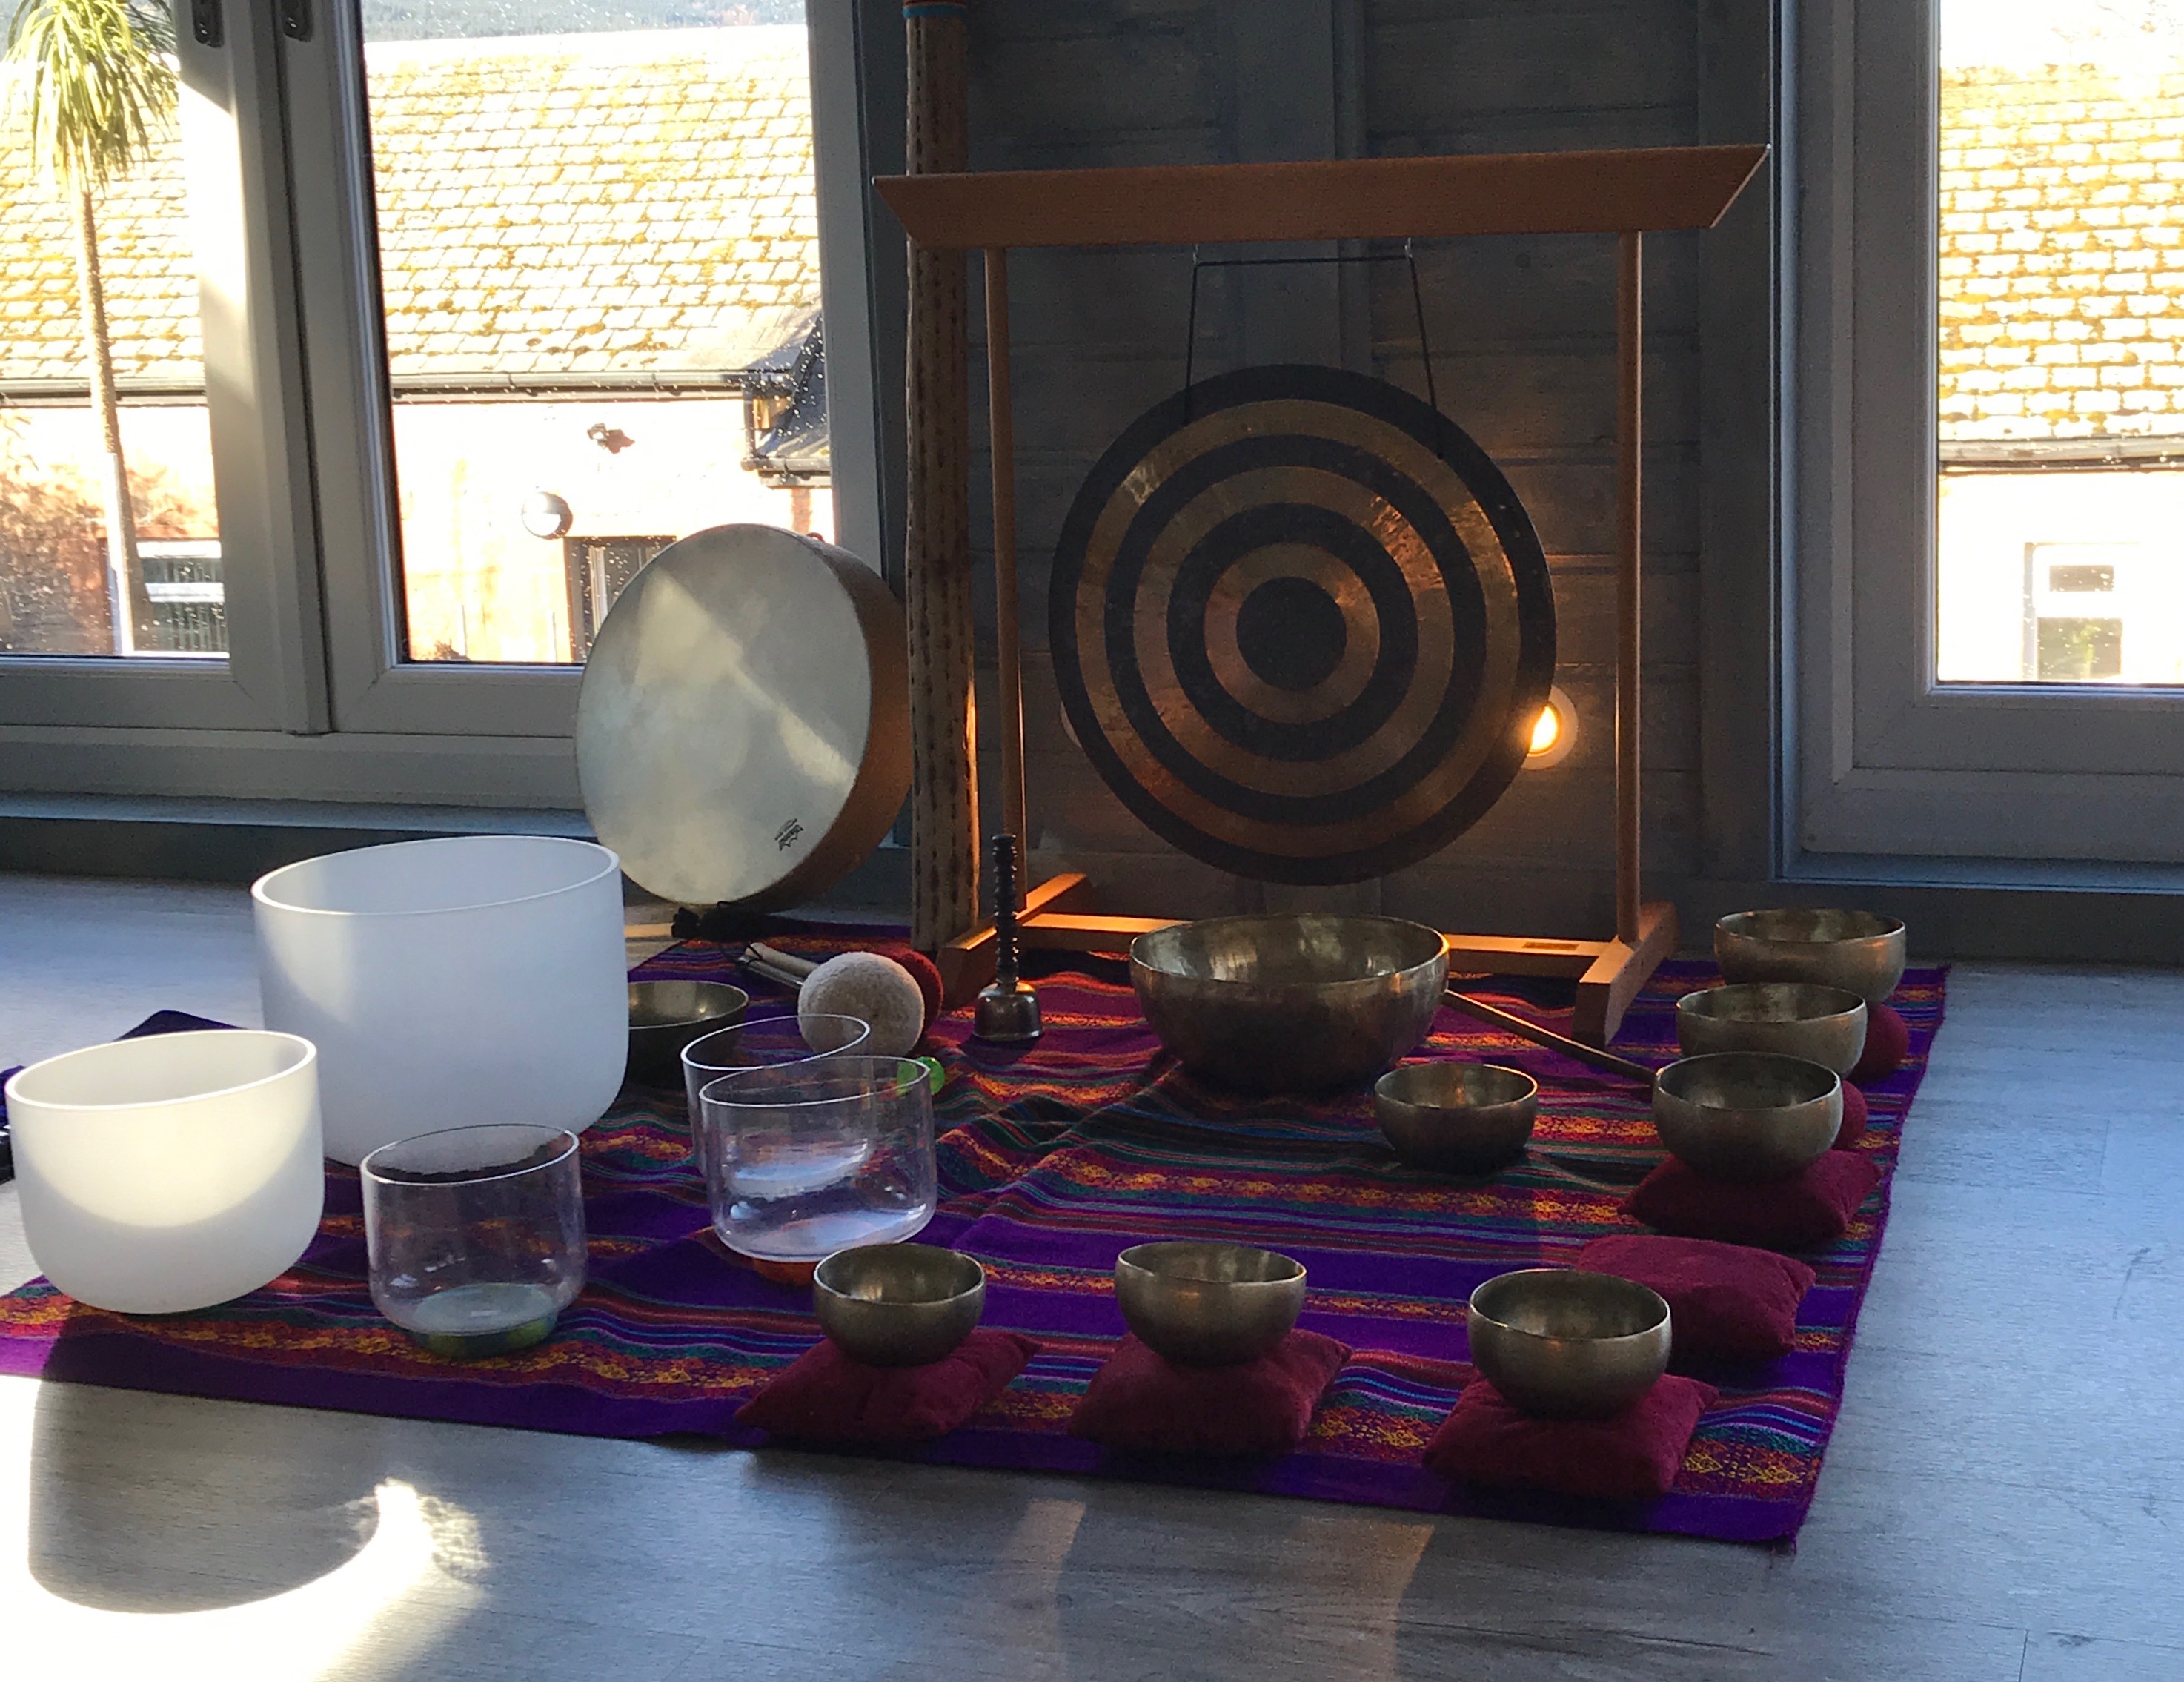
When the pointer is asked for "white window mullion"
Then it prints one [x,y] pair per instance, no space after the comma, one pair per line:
[239,213]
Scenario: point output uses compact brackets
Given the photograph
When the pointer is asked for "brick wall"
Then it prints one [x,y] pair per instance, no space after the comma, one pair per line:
[2062,255]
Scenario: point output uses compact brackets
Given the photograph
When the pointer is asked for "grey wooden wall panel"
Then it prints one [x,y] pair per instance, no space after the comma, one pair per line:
[1516,400]
[1740,435]
[1426,64]
[1522,332]
[1527,289]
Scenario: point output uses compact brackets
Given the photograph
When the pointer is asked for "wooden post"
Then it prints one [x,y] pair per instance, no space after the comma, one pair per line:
[944,802]
[1008,631]
[1630,360]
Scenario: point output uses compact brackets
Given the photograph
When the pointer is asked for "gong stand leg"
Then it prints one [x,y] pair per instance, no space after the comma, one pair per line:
[1007,627]
[944,833]
[1644,934]
[1629,345]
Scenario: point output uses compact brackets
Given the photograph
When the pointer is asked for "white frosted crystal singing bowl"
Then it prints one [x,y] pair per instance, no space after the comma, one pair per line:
[172,1172]
[449,983]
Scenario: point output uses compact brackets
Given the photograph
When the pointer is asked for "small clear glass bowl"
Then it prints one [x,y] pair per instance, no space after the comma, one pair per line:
[475,1235]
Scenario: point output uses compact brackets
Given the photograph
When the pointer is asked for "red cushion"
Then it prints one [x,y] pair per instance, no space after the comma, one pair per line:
[1802,1212]
[1853,1122]
[1633,1456]
[1887,1042]
[824,1396]
[1139,1401]
[1726,1302]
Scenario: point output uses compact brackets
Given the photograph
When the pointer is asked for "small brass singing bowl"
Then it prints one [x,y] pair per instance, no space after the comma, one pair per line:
[1792,1018]
[1747,1115]
[1562,1344]
[1456,1118]
[898,1304]
[1208,1304]
[665,1016]
[1856,951]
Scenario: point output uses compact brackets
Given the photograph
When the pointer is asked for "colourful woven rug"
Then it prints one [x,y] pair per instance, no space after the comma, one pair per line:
[1050,1162]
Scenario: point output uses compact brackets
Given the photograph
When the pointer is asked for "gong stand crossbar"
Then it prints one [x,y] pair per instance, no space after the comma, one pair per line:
[1627,193]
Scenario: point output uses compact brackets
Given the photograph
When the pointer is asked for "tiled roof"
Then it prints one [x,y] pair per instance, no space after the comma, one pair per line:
[2062,254]
[603,202]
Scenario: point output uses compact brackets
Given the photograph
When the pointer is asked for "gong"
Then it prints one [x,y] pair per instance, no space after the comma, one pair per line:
[1302,624]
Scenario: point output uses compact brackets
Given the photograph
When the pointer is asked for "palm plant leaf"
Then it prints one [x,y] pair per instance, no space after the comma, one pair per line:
[91,84]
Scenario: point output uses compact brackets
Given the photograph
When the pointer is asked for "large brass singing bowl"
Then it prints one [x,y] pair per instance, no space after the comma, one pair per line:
[1208,1304]
[1290,1003]
[898,1304]
[1456,1118]
[1747,1115]
[1562,1344]
[1856,951]
[1792,1018]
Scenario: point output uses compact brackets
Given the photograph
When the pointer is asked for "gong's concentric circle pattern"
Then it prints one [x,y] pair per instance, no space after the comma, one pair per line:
[1302,624]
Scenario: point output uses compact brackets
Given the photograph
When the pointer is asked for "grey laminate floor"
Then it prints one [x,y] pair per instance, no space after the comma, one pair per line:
[2004,1502]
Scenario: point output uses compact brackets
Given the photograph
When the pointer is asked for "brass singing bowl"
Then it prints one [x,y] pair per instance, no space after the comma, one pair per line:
[1563,1343]
[1747,1115]
[898,1304]
[1290,1003]
[1856,951]
[665,1016]
[1792,1018]
[1208,1304]
[1456,1118]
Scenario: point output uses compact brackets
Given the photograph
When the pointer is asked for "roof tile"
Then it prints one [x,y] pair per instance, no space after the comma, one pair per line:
[529,183]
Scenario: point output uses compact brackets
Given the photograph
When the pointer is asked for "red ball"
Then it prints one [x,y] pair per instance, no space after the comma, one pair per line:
[926,973]
[1887,1040]
[1853,1122]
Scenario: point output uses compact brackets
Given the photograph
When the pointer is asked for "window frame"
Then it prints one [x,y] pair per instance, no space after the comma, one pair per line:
[271,679]
[1888,761]
[313,703]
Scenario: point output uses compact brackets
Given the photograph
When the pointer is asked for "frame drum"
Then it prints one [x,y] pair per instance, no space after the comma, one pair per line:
[742,736]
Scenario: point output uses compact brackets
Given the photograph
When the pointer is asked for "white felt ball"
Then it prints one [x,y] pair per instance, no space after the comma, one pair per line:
[874,989]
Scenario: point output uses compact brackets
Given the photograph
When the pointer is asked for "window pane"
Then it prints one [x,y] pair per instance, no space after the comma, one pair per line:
[2060,541]
[600,262]
[61,569]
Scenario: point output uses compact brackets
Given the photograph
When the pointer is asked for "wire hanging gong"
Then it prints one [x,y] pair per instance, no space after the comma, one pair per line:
[1302,624]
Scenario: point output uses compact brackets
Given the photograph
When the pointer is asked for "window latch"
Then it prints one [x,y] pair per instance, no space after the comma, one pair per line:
[296,19]
[205,22]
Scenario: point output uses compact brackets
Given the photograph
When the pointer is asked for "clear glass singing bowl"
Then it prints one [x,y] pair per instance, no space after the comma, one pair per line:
[475,1235]
[764,1042]
[807,1159]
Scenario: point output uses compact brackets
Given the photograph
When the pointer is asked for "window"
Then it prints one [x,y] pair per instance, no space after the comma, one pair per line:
[541,294]
[2060,359]
[101,367]
[1990,419]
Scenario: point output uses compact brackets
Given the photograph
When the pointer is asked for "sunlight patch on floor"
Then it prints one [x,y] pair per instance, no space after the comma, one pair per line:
[397,1577]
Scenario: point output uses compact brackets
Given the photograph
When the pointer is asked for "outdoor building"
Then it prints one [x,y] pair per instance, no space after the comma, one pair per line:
[599,266]
[2061,511]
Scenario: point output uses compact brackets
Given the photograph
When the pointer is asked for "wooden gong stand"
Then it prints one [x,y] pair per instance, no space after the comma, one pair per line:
[1627,193]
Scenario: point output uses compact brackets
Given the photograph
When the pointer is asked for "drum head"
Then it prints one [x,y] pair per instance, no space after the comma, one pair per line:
[1302,624]
[742,733]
